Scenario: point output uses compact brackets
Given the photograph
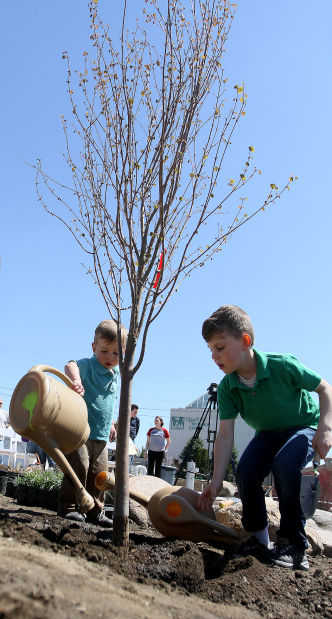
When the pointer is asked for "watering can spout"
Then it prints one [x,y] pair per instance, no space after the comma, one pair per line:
[83,498]
[173,510]
[52,415]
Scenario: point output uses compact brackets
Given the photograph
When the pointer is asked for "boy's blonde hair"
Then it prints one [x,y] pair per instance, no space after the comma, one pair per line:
[108,330]
[229,318]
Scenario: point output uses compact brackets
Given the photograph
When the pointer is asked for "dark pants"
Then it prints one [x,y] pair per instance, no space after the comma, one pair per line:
[87,462]
[285,454]
[155,460]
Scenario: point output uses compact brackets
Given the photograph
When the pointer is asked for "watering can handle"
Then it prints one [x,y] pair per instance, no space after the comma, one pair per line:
[49,368]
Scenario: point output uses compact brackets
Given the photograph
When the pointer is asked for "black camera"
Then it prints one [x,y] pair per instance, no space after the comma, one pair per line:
[212,391]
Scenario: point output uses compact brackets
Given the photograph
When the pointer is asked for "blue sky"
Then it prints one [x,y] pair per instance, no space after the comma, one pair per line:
[277,267]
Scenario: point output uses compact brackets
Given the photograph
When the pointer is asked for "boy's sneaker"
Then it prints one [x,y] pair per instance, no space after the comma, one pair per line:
[288,555]
[71,515]
[254,548]
[100,520]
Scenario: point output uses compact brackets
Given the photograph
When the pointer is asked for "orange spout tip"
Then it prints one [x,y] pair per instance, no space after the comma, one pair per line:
[173,509]
[102,481]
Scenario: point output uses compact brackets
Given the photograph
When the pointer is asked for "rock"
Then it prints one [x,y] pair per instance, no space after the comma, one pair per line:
[316,546]
[322,522]
[231,517]
[138,513]
[323,518]
[145,486]
[229,489]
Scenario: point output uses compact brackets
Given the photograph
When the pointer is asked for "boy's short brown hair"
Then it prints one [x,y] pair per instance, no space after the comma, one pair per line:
[229,318]
[108,330]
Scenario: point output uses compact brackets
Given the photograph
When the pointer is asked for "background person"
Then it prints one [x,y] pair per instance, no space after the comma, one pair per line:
[4,418]
[155,446]
[41,455]
[133,431]
[4,423]
[134,422]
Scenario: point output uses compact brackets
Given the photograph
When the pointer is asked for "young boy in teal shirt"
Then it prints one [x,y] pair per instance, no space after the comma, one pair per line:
[271,393]
[96,380]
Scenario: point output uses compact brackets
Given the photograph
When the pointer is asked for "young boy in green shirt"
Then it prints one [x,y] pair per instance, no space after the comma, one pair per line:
[96,380]
[271,393]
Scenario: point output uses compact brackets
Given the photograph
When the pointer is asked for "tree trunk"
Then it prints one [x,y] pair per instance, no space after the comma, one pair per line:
[121,498]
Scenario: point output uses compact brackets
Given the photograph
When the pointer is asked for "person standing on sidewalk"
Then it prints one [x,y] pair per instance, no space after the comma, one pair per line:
[155,446]
[133,429]
[134,422]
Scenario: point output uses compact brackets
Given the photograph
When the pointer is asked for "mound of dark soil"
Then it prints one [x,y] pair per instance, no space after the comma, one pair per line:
[203,570]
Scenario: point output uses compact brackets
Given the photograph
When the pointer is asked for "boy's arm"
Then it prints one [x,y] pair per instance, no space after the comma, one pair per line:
[222,453]
[322,441]
[168,440]
[73,372]
[113,433]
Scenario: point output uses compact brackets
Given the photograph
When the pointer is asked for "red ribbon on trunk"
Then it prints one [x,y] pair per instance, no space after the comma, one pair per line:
[158,270]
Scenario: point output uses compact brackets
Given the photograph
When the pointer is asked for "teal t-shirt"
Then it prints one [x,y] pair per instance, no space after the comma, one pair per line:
[100,389]
[279,398]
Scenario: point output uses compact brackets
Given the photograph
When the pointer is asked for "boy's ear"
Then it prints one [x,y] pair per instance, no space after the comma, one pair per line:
[93,347]
[246,340]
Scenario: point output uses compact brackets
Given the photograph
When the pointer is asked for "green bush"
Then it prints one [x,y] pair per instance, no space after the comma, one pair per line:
[44,480]
[198,454]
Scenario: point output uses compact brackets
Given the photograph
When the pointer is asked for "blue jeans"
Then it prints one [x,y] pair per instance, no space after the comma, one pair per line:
[284,453]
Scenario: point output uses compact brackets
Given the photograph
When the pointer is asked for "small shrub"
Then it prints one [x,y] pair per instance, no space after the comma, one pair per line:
[44,480]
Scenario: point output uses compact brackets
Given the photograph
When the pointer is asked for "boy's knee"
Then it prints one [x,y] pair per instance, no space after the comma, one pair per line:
[243,474]
[249,476]
[283,469]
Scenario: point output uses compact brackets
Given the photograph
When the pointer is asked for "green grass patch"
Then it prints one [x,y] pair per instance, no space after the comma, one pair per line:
[45,480]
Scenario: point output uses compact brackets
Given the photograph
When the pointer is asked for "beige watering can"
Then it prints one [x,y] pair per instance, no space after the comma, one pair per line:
[50,413]
[173,511]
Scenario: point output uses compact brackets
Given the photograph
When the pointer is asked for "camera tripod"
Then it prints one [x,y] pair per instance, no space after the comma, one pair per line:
[212,421]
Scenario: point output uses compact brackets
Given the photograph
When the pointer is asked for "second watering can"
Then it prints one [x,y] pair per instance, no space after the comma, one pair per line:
[50,413]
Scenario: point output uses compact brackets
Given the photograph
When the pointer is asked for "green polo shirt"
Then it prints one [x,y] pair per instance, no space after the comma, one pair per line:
[100,389]
[278,400]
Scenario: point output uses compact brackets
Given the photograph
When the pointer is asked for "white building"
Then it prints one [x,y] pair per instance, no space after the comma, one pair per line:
[184,421]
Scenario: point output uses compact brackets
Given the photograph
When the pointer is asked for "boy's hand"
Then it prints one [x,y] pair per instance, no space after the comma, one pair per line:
[206,499]
[112,436]
[78,387]
[322,442]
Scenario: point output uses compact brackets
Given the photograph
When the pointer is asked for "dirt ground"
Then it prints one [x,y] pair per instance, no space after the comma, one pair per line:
[53,568]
